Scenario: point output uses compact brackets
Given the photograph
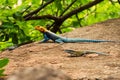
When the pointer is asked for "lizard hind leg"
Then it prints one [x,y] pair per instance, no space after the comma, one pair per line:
[74,53]
[59,41]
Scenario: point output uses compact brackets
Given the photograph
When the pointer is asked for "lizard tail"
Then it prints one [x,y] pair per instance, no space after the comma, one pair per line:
[73,40]
[99,53]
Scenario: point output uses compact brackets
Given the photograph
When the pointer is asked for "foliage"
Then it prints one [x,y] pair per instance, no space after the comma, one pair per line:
[17,24]
[3,63]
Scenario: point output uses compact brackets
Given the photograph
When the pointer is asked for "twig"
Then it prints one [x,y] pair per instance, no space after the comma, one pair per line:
[68,7]
[37,10]
[78,20]
[26,9]
[43,17]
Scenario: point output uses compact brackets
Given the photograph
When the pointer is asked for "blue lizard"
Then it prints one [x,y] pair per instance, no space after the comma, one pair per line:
[59,39]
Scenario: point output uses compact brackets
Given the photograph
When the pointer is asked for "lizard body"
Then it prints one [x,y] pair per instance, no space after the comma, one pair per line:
[59,39]
[82,53]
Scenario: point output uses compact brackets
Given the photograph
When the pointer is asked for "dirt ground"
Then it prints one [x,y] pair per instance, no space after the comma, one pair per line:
[90,67]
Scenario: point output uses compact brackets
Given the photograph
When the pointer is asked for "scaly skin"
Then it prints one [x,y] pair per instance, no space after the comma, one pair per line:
[82,53]
[59,39]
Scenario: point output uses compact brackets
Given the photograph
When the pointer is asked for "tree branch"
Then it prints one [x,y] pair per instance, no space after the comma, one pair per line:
[37,10]
[43,17]
[26,9]
[79,9]
[68,7]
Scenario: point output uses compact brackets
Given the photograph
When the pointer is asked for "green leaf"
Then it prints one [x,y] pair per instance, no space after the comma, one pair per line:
[7,25]
[4,45]
[17,15]
[14,38]
[4,62]
[1,37]
[6,37]
[1,72]
[58,4]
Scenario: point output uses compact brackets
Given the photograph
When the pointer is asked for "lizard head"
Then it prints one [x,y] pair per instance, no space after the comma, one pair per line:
[41,29]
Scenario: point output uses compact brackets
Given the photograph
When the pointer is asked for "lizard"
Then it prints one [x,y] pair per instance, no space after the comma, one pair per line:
[74,53]
[59,39]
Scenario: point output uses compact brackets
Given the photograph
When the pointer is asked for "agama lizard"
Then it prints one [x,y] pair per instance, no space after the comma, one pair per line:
[82,53]
[59,39]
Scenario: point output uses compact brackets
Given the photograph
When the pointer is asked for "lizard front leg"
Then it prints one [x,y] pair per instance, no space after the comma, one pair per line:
[45,38]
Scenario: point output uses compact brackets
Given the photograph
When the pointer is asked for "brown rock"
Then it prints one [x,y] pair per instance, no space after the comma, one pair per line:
[39,73]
